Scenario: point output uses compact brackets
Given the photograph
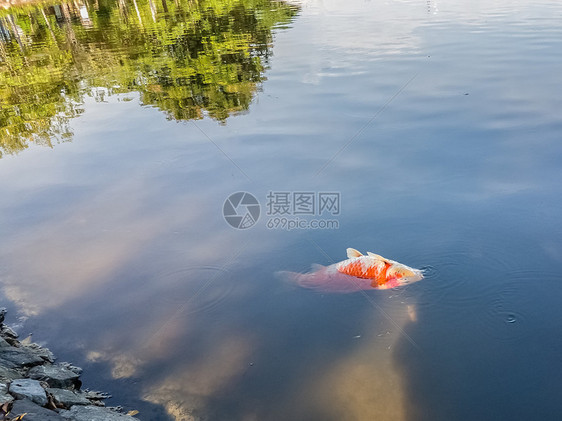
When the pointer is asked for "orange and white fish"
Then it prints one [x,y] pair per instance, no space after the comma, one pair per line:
[357,273]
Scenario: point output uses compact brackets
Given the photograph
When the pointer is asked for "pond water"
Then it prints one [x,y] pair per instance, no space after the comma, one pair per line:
[434,127]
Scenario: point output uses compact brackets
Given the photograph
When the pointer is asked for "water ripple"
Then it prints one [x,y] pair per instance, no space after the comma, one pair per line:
[196,289]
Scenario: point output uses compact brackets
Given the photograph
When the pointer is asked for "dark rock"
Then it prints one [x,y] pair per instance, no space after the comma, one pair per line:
[3,343]
[44,353]
[5,397]
[68,397]
[8,364]
[8,374]
[8,333]
[30,389]
[96,396]
[33,412]
[55,375]
[71,367]
[18,360]
[94,413]
[13,357]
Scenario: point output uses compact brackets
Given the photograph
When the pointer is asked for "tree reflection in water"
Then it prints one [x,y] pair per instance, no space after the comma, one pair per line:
[188,59]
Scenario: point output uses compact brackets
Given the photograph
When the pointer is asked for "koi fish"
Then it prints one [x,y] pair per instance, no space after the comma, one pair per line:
[357,273]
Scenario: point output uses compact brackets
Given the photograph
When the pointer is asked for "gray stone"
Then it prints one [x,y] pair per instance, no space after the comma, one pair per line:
[13,357]
[67,397]
[71,367]
[55,375]
[8,364]
[33,412]
[8,332]
[5,397]
[94,413]
[30,389]
[41,352]
[3,343]
[96,396]
[7,374]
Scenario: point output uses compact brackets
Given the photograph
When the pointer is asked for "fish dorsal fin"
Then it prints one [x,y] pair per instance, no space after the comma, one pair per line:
[378,257]
[351,253]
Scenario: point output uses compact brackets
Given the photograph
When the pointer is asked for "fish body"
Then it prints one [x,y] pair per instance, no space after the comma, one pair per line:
[357,273]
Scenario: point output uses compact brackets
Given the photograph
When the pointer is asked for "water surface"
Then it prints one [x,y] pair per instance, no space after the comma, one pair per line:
[126,125]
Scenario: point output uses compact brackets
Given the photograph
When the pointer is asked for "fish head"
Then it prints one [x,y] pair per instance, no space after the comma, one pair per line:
[403,274]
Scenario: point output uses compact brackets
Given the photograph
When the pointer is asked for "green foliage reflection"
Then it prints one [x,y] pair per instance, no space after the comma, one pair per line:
[186,58]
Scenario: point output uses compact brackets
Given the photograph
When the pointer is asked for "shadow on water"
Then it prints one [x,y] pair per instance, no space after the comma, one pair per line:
[188,59]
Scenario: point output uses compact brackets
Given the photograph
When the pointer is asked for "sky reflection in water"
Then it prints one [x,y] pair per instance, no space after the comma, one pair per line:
[118,235]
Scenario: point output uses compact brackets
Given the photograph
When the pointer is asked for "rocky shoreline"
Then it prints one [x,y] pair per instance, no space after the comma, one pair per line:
[34,387]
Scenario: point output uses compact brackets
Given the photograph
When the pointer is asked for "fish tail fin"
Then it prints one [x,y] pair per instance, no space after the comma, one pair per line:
[303,280]
[321,281]
[291,278]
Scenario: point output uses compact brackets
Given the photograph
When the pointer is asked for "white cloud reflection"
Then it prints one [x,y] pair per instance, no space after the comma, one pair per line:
[192,384]
[365,384]
[155,208]
[78,250]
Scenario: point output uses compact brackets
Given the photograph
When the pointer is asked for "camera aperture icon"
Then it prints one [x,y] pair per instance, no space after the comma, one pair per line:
[241,210]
